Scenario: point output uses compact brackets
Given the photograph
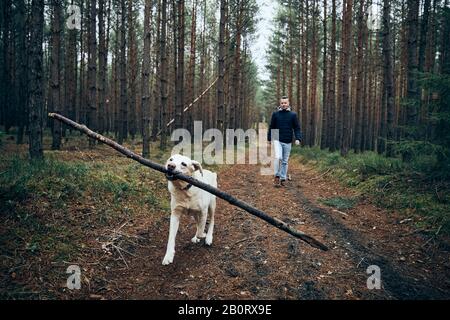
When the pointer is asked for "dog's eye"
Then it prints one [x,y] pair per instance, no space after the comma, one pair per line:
[183,164]
[171,159]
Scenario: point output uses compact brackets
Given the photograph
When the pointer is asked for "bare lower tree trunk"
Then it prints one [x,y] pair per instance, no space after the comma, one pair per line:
[92,68]
[191,73]
[331,136]
[71,73]
[304,39]
[22,70]
[221,69]
[412,87]
[179,90]
[102,67]
[7,65]
[156,88]
[359,103]
[146,98]
[163,76]
[55,67]
[346,46]
[325,117]
[388,74]
[123,117]
[36,84]
[132,71]
[313,84]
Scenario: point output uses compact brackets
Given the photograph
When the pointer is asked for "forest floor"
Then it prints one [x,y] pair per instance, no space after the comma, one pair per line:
[120,257]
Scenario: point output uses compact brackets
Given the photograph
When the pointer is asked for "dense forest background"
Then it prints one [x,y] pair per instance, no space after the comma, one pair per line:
[362,75]
[126,67]
[365,75]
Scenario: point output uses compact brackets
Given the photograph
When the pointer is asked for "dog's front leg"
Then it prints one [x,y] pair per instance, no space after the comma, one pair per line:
[174,223]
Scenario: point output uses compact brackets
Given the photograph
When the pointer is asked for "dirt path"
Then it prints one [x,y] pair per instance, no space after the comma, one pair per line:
[250,259]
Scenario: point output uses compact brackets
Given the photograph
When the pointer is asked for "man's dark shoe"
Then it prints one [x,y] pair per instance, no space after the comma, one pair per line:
[276,181]
[282,183]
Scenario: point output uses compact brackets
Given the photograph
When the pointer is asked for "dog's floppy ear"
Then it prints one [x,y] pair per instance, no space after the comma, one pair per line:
[197,166]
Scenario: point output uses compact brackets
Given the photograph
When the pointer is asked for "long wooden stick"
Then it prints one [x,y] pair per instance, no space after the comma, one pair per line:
[223,195]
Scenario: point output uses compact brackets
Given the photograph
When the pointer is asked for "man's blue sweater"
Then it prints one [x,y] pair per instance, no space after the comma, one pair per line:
[285,121]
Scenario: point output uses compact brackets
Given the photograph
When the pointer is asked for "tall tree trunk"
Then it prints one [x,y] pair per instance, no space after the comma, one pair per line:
[22,70]
[291,53]
[163,76]
[313,83]
[117,105]
[123,117]
[92,69]
[108,85]
[388,74]
[6,105]
[305,44]
[179,90]
[102,67]
[423,33]
[412,87]
[36,83]
[71,73]
[345,102]
[132,68]
[366,70]
[191,72]
[359,103]
[146,79]
[370,96]
[331,141]
[421,62]
[81,106]
[325,117]
[157,112]
[221,68]
[236,69]
[55,66]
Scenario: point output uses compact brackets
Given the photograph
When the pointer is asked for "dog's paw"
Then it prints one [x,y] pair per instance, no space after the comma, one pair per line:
[168,259]
[209,240]
[195,240]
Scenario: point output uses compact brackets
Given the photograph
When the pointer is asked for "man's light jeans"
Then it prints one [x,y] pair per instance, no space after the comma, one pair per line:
[282,151]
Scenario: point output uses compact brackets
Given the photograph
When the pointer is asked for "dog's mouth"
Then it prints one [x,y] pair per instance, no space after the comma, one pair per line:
[170,175]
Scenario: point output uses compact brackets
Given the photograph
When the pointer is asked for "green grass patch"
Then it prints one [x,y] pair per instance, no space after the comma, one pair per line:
[49,178]
[339,203]
[410,187]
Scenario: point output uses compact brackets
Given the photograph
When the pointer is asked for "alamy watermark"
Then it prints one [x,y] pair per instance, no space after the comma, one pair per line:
[230,148]
[374,280]
[74,19]
[74,280]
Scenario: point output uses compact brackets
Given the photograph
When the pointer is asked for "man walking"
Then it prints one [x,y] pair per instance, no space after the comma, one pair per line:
[285,121]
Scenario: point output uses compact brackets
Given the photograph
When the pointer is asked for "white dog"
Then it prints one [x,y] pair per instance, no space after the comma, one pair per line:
[188,199]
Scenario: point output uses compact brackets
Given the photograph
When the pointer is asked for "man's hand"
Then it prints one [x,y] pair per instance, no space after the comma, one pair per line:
[297,142]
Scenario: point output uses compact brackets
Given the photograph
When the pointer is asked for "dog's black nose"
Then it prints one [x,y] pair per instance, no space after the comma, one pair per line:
[171,167]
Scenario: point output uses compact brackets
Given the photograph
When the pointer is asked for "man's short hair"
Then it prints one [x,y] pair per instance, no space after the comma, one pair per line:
[284,97]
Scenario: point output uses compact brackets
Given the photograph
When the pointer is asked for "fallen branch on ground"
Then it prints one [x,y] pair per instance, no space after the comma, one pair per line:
[343,213]
[323,174]
[223,195]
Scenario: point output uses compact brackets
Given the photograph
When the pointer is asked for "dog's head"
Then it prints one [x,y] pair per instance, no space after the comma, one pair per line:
[181,164]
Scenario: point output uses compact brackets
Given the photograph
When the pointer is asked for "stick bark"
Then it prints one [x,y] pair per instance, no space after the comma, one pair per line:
[218,193]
